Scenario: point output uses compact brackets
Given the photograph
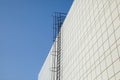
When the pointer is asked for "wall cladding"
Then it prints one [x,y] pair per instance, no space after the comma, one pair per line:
[91,41]
[90,44]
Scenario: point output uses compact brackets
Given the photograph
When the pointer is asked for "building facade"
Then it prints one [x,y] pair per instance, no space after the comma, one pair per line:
[90,43]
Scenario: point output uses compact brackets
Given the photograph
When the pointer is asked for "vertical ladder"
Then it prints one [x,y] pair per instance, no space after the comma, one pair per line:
[58,19]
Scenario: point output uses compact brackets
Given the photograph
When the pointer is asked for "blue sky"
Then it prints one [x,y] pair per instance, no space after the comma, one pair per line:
[26,36]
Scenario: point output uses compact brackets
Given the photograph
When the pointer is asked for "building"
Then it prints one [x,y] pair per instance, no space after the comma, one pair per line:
[89,43]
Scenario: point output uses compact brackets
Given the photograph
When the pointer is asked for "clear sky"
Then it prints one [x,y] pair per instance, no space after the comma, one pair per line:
[26,36]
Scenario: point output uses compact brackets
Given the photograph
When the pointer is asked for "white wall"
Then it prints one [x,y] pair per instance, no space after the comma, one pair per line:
[91,41]
[45,72]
